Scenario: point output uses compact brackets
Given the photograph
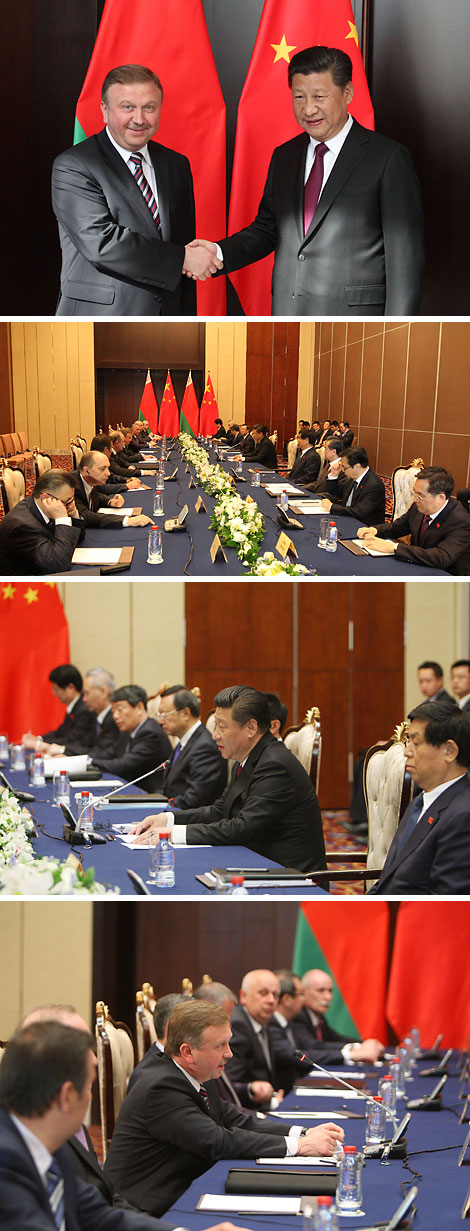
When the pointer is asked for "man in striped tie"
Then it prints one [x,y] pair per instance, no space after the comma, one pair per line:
[125,208]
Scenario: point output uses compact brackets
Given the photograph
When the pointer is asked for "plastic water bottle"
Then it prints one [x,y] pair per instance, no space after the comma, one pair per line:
[401,1084]
[85,811]
[332,536]
[165,878]
[63,788]
[387,1089]
[284,501]
[375,1123]
[349,1190]
[256,479]
[4,750]
[17,755]
[325,1215]
[38,778]
[238,889]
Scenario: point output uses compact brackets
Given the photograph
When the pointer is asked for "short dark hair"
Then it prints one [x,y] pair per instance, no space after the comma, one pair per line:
[306,434]
[260,427]
[235,427]
[461,662]
[87,459]
[335,442]
[431,666]
[131,693]
[66,674]
[356,456]
[163,1010]
[100,443]
[440,481]
[220,421]
[38,1060]
[183,699]
[345,422]
[215,993]
[245,703]
[189,1021]
[305,423]
[126,74]
[322,60]
[51,483]
[277,709]
[444,721]
[287,980]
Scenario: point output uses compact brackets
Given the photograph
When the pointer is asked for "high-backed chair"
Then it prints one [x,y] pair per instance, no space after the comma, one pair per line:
[144,1027]
[403,479]
[76,452]
[82,443]
[13,487]
[116,1060]
[320,449]
[292,447]
[305,741]
[42,462]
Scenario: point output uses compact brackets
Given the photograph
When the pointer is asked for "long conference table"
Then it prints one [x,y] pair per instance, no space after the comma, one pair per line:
[112,858]
[188,554]
[434,1140]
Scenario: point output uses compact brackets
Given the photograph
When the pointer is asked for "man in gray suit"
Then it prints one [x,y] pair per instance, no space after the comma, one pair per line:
[125,209]
[341,207]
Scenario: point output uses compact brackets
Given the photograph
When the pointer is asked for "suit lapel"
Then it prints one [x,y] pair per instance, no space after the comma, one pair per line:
[128,185]
[163,188]
[427,821]
[352,153]
[432,533]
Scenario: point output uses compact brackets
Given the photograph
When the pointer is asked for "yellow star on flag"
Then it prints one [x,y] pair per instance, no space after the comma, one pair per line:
[282,50]
[8,591]
[352,33]
[31,596]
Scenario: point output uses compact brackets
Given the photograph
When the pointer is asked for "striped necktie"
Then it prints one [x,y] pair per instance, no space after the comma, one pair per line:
[55,1193]
[204,1097]
[145,189]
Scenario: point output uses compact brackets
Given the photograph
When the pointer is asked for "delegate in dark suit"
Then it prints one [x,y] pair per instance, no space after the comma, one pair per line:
[307,1038]
[113,260]
[264,454]
[363,252]
[248,1062]
[134,756]
[24,1202]
[435,858]
[306,467]
[445,544]
[164,1137]
[270,807]
[91,515]
[368,502]
[105,736]
[76,726]
[284,1045]
[28,544]
[86,1164]
[248,445]
[198,775]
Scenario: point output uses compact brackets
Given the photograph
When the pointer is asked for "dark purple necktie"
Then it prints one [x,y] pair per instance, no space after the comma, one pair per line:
[313,186]
[424,525]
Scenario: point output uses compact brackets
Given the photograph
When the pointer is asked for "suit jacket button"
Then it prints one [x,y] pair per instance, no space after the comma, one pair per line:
[301,256]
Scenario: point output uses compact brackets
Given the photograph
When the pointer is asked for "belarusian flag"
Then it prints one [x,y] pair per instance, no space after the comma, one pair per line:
[148,408]
[209,410]
[286,27]
[169,421]
[429,984]
[189,417]
[350,942]
[170,37]
[35,636]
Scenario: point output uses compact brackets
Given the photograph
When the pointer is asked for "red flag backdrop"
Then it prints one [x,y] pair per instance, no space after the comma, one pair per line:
[209,410]
[169,423]
[429,983]
[148,405]
[170,37]
[35,638]
[266,119]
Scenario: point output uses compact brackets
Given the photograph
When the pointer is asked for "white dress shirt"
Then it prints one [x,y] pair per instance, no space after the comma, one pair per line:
[147,164]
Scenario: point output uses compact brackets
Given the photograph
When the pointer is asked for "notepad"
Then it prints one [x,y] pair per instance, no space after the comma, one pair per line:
[275,489]
[96,555]
[368,550]
[249,1205]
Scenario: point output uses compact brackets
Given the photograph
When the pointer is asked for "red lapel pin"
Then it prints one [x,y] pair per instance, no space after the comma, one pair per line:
[430,820]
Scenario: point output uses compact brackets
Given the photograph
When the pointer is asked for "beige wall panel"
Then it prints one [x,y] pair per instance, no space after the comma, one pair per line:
[157,617]
[454,378]
[86,353]
[337,384]
[226,362]
[306,404]
[99,615]
[239,373]
[437,624]
[11,949]
[422,374]
[73,383]
[63,432]
[32,388]
[394,375]
[372,379]
[53,381]
[57,961]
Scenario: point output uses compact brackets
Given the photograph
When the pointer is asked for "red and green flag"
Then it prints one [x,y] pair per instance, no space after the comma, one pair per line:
[169,422]
[429,984]
[148,408]
[266,119]
[171,38]
[189,417]
[209,410]
[350,943]
[35,635]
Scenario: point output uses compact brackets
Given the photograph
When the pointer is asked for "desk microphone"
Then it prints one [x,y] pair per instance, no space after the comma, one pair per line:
[369,1098]
[98,800]
[24,797]
[432,1101]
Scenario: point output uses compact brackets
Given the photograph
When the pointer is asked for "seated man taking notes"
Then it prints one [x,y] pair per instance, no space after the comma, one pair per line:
[438,525]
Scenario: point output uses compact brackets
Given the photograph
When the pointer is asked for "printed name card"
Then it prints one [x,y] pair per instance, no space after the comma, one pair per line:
[216,550]
[285,546]
[200,506]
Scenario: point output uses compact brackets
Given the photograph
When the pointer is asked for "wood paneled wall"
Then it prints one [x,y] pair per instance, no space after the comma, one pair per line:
[272,374]
[53,381]
[403,386]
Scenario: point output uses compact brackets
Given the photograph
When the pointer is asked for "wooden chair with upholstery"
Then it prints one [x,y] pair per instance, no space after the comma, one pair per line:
[13,486]
[403,479]
[76,453]
[42,462]
[82,443]
[273,437]
[116,1060]
[292,448]
[144,1027]
[321,450]
[305,741]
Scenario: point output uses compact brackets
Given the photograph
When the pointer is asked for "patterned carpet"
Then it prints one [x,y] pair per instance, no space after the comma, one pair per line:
[338,839]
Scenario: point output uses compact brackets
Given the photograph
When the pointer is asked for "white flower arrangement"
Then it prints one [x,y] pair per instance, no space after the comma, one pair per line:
[239,524]
[268,566]
[21,873]
[15,826]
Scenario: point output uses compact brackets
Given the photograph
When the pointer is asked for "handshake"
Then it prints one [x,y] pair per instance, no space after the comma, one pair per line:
[201,260]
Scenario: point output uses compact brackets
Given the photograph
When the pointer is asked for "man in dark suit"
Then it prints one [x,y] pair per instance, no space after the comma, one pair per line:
[90,495]
[247,443]
[430,852]
[341,207]
[355,491]
[103,737]
[431,682]
[241,1093]
[141,746]
[119,476]
[331,467]
[161,1016]
[438,525]
[197,773]
[460,682]
[125,209]
[40,534]
[307,463]
[345,433]
[312,1029]
[45,1083]
[264,453]
[119,463]
[172,1127]
[253,1058]
[270,805]
[280,1029]
[66,683]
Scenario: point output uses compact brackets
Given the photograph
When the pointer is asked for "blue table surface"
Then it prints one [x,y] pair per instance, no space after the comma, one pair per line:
[111,860]
[188,554]
[434,1140]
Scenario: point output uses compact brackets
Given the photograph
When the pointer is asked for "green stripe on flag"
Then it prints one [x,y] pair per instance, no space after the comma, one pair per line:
[308,955]
[78,133]
[185,426]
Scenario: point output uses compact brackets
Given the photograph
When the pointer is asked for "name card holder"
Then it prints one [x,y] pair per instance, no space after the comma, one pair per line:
[216,550]
[200,506]
[285,547]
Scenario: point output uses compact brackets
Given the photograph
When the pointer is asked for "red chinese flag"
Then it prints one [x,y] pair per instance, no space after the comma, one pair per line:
[189,418]
[169,423]
[209,410]
[148,408]
[266,118]
[35,638]
[170,37]
[429,983]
